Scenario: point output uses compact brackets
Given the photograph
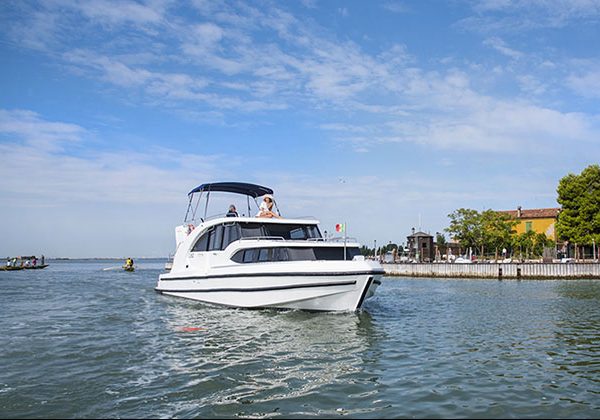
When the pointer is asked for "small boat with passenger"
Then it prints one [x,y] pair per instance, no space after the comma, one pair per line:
[24,263]
[129,266]
[254,262]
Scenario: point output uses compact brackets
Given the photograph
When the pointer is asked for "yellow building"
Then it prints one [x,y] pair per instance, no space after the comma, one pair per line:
[537,220]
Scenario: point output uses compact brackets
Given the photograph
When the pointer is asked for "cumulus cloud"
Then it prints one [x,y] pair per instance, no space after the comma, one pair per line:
[39,153]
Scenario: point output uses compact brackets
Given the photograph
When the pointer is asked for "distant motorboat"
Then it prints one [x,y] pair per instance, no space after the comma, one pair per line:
[254,262]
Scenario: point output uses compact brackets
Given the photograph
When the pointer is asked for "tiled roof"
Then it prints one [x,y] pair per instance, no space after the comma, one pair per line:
[414,235]
[534,213]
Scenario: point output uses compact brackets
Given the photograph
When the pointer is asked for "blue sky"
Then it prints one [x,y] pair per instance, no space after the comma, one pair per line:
[385,115]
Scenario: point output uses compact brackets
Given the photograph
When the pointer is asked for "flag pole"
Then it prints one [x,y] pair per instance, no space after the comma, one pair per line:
[345,233]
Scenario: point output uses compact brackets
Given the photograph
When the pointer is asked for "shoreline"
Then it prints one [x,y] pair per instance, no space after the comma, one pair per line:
[500,271]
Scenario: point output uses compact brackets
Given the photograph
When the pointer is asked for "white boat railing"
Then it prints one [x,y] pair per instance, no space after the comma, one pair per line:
[224,215]
[341,239]
[263,238]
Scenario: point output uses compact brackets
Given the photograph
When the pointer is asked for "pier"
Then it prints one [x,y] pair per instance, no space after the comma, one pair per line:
[496,270]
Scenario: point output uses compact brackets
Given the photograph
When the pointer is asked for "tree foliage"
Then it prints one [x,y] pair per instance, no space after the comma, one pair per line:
[488,230]
[530,244]
[579,196]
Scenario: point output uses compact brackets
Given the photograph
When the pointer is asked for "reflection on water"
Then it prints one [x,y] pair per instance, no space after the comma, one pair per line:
[265,359]
[78,341]
[577,333]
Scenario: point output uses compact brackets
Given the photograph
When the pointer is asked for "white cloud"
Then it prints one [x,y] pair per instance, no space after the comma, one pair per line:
[396,7]
[586,84]
[500,46]
[27,127]
[37,152]
[114,12]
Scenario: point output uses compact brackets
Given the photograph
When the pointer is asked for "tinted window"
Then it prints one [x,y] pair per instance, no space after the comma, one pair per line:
[230,234]
[265,254]
[301,254]
[201,243]
[215,238]
[297,232]
[329,253]
[280,254]
[313,231]
[252,255]
[251,230]
[278,230]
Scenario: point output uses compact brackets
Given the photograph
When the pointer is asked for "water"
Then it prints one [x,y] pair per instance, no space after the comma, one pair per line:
[80,342]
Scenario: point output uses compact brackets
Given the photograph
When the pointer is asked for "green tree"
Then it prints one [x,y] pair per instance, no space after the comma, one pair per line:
[530,244]
[498,229]
[466,227]
[489,229]
[579,197]
[366,251]
[441,242]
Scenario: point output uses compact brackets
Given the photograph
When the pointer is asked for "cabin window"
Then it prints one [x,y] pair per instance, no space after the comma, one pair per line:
[250,255]
[296,232]
[302,254]
[219,237]
[231,234]
[252,230]
[328,253]
[215,238]
[271,254]
[202,242]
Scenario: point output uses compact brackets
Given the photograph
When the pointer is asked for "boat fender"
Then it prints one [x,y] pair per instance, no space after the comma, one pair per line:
[191,227]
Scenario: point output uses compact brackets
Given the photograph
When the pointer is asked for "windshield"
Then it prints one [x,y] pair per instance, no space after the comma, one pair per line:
[220,236]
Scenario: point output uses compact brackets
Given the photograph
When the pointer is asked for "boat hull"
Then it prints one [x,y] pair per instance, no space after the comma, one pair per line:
[306,291]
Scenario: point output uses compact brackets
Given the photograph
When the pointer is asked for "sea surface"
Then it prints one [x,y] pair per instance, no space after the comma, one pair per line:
[83,339]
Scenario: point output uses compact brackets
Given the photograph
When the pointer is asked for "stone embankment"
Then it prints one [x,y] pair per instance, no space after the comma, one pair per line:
[497,270]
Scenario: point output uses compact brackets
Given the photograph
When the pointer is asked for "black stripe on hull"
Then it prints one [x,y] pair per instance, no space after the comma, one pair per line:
[256,289]
[364,293]
[291,274]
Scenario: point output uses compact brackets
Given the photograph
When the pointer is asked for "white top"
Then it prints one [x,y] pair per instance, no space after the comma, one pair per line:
[263,207]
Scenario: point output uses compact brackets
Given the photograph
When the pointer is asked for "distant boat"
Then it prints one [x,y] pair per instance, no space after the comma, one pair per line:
[128,265]
[10,268]
[23,263]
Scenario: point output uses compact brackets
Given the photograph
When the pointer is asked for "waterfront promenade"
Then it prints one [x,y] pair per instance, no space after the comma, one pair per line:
[496,270]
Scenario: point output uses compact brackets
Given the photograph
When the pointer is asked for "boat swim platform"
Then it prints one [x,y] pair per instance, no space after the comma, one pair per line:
[539,271]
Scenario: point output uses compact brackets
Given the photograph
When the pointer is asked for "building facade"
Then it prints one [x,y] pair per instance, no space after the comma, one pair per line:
[420,246]
[537,220]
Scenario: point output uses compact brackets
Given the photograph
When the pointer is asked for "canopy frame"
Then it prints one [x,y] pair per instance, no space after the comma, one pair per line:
[249,190]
